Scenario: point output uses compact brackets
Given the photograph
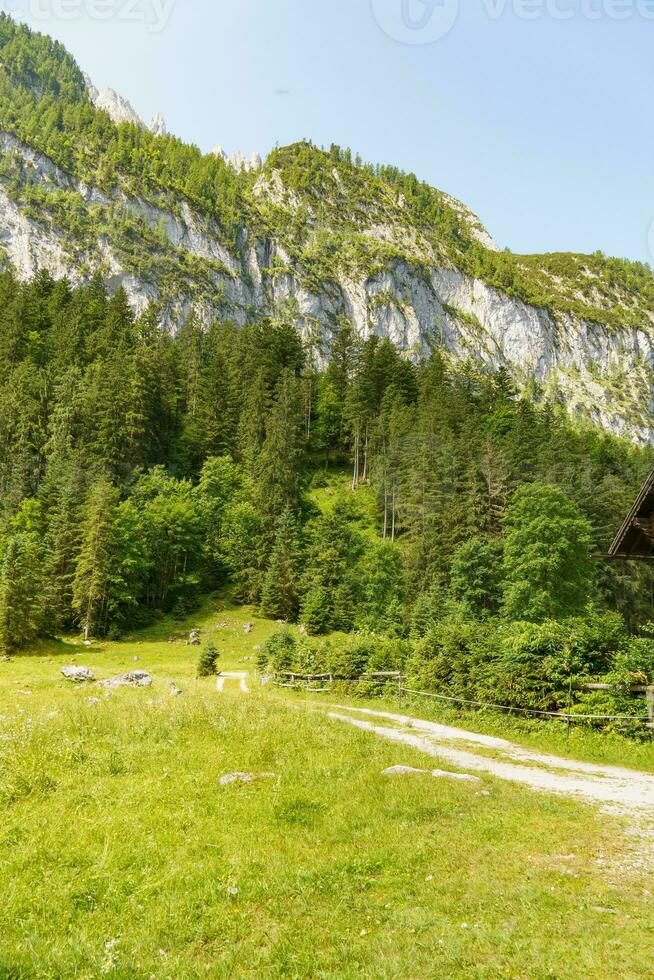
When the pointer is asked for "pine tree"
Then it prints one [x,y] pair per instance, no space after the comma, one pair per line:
[22,606]
[95,565]
[208,662]
[280,598]
[279,467]
[476,576]
[331,579]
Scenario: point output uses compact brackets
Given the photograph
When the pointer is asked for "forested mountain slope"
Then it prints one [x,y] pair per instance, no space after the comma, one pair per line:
[317,236]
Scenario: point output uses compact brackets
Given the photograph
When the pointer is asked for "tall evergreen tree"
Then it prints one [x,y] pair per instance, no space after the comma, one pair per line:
[96,562]
[22,604]
[280,598]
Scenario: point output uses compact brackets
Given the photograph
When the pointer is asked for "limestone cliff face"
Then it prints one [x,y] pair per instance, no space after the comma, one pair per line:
[121,110]
[602,374]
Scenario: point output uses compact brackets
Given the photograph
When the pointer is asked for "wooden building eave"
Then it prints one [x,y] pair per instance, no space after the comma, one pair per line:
[635,539]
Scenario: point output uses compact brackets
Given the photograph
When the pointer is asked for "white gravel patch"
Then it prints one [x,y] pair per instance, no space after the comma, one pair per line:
[619,789]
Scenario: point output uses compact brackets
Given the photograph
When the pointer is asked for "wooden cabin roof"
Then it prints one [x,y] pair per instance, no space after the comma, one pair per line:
[635,539]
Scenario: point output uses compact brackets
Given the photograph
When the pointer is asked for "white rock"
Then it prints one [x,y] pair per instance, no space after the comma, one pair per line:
[244,777]
[135,678]
[158,125]
[572,357]
[117,107]
[79,675]
[436,773]
[405,771]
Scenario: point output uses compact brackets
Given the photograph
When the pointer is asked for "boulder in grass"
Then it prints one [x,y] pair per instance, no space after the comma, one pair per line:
[135,678]
[436,773]
[245,777]
[194,638]
[405,771]
[79,675]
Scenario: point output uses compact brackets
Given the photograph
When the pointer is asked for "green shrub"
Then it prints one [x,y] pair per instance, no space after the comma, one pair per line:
[279,651]
[316,612]
[208,663]
[349,659]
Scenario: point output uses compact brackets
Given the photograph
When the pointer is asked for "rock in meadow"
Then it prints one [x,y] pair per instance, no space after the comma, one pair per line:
[436,773]
[135,678]
[405,771]
[79,675]
[244,777]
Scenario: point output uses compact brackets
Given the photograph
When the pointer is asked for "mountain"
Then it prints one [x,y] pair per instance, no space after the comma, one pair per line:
[86,187]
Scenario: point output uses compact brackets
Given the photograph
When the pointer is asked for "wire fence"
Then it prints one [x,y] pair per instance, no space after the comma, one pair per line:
[296,680]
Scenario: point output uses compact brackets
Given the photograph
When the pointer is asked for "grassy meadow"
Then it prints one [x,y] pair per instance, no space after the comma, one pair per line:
[122,856]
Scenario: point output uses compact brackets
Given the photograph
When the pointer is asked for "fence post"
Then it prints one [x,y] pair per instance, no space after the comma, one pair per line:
[650,708]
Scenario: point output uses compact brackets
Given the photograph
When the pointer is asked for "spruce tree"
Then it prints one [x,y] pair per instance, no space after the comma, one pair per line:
[208,662]
[279,467]
[22,604]
[280,598]
[95,565]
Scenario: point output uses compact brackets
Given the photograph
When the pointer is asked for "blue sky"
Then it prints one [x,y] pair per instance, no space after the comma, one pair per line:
[541,124]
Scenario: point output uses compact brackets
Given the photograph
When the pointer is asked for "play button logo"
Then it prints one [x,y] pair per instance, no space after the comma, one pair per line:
[416,21]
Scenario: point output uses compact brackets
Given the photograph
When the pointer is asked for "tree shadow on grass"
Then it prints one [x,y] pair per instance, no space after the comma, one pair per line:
[54,647]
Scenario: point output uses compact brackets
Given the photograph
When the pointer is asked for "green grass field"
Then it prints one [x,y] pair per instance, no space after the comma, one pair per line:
[122,856]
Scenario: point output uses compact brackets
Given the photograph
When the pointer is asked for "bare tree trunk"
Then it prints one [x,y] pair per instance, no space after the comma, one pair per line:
[394,505]
[385,505]
[357,449]
[309,407]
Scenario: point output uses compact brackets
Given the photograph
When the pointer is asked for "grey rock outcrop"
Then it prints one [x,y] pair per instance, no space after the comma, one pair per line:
[436,773]
[135,678]
[605,375]
[158,125]
[79,675]
[244,777]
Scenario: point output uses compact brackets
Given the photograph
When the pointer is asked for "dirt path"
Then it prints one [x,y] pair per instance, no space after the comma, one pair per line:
[240,676]
[620,790]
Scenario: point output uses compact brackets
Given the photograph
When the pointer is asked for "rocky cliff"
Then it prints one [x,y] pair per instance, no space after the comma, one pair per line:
[320,237]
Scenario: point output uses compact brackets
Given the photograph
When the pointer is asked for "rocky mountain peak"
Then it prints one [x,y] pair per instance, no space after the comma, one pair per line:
[158,125]
[239,161]
[121,109]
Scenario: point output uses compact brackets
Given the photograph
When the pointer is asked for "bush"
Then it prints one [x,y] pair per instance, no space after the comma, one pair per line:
[316,612]
[427,611]
[456,658]
[527,665]
[279,651]
[208,663]
[390,654]
[350,658]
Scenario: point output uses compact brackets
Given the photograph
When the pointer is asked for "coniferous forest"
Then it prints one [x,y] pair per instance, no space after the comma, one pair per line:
[465,529]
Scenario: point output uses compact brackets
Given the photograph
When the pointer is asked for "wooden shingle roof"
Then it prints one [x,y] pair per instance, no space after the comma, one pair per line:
[635,539]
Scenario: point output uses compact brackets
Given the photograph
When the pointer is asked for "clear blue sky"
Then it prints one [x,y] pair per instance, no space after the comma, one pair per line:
[544,127]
